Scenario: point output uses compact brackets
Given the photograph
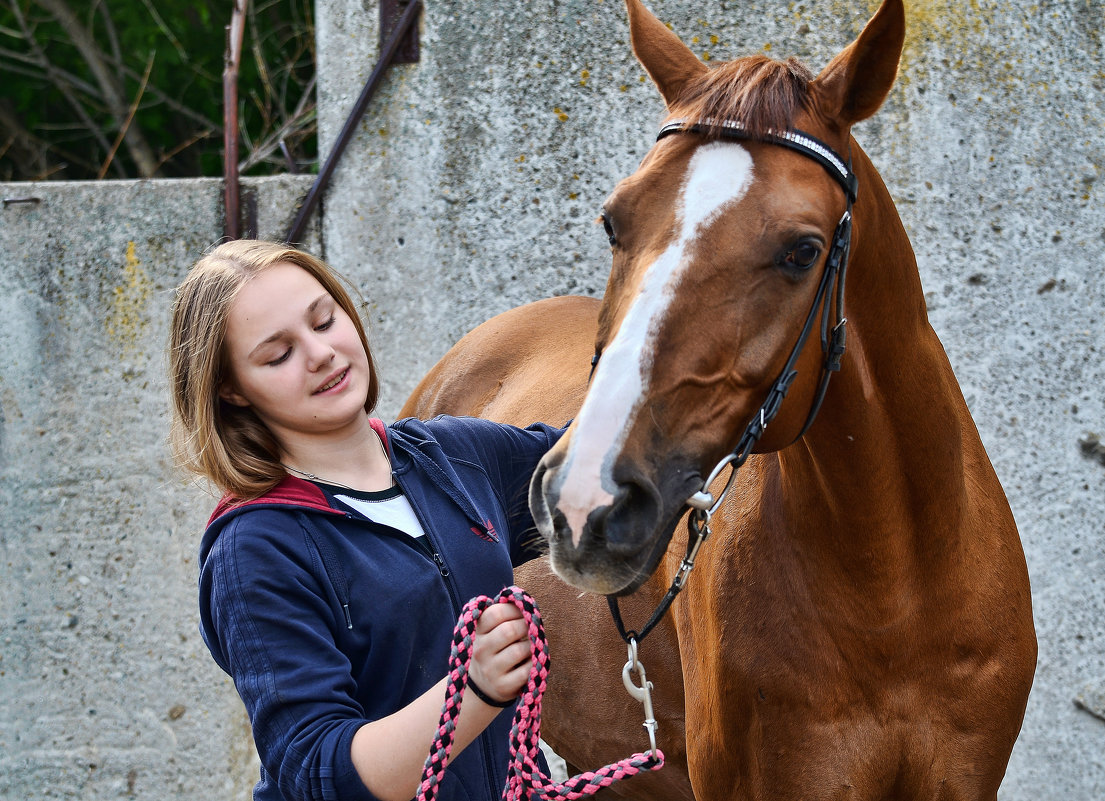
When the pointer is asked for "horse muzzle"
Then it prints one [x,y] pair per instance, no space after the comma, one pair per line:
[601,541]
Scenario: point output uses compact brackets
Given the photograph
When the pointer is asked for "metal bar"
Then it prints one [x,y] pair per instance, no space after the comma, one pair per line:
[351,123]
[235,32]
[390,13]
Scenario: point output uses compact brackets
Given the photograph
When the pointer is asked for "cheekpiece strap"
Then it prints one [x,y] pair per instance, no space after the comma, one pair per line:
[795,139]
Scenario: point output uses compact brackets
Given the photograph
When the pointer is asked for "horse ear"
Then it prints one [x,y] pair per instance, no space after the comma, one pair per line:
[858,80]
[668,61]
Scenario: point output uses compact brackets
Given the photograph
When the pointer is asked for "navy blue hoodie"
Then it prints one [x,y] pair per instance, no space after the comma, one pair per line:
[326,620]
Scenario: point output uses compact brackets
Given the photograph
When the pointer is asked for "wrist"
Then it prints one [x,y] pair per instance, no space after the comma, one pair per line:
[487,699]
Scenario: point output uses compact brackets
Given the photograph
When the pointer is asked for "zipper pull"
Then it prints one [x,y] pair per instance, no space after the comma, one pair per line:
[442,568]
[348,619]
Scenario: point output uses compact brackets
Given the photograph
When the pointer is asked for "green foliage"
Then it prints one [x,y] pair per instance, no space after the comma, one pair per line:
[73,70]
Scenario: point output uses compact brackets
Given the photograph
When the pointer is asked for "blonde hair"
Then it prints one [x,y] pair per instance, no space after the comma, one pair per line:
[228,444]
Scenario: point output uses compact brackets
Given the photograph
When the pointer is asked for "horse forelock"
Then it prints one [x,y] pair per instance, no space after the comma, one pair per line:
[761,93]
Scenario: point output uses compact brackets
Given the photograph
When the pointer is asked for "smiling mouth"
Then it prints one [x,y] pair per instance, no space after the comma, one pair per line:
[337,380]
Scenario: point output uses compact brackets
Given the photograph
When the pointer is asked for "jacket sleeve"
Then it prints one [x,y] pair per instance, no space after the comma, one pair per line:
[269,623]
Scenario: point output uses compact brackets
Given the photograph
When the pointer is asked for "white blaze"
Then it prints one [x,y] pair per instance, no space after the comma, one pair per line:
[717,175]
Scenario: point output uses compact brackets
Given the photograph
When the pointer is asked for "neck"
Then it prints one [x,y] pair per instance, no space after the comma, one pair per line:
[355,459]
[882,468]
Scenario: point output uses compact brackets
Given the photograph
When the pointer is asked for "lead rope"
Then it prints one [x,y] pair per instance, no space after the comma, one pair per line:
[525,781]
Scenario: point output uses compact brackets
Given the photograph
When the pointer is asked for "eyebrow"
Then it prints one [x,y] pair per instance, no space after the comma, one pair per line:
[276,335]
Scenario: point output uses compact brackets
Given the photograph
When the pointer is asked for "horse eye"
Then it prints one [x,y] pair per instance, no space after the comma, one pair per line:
[609,229]
[801,257]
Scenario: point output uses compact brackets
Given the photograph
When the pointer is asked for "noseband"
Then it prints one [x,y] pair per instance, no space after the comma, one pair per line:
[829,299]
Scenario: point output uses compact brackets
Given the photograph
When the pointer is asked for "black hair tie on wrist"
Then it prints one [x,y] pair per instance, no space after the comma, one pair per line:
[487,699]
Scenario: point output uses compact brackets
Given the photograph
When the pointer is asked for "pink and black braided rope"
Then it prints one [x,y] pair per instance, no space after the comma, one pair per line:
[525,781]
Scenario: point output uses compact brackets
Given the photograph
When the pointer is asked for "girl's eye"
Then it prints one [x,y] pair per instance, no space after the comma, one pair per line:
[283,357]
[326,324]
[801,256]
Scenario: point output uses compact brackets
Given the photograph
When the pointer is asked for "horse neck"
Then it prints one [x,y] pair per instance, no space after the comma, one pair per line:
[893,434]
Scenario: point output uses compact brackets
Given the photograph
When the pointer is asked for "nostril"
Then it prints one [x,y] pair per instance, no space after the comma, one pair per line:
[596,521]
[559,526]
[622,521]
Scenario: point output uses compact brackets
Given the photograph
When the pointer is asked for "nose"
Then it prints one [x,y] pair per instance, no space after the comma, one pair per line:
[319,352]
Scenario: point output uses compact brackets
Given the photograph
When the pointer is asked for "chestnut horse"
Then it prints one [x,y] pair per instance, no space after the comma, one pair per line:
[859,624]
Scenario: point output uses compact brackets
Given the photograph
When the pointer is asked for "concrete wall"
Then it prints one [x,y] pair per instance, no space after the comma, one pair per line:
[106,689]
[471,187]
[475,179]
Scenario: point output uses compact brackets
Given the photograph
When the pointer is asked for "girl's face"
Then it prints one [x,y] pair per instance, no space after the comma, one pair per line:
[294,356]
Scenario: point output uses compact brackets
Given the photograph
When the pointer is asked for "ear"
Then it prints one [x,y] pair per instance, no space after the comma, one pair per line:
[668,61]
[858,80]
[229,394]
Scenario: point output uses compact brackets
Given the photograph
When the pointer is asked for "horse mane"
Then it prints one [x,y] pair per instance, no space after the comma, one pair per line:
[760,93]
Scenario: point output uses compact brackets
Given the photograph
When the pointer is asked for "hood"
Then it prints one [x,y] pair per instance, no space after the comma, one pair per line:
[290,492]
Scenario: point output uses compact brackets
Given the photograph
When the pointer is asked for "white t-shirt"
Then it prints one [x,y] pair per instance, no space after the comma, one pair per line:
[389,507]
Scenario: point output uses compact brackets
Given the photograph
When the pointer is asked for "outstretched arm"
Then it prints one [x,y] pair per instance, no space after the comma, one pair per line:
[389,753]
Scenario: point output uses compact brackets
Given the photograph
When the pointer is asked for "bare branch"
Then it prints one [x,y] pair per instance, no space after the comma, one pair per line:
[166,31]
[30,149]
[175,105]
[184,146]
[97,62]
[38,58]
[25,144]
[90,90]
[232,60]
[304,114]
[61,83]
[112,34]
[73,51]
[130,117]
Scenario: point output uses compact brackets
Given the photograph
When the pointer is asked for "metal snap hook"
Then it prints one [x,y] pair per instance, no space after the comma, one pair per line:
[642,693]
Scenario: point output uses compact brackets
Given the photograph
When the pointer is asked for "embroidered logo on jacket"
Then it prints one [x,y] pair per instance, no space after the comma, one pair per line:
[487,532]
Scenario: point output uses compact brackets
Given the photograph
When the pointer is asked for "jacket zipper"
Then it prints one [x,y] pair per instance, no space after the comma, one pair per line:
[445,572]
[428,546]
[334,571]
[431,546]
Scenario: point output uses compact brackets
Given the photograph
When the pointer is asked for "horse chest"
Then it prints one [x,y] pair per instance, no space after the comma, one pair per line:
[782,703]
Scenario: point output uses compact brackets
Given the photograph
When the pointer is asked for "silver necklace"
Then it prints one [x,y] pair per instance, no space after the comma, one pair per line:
[313,477]
[320,479]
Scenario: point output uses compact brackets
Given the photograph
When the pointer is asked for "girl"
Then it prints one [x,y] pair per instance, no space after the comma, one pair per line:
[333,570]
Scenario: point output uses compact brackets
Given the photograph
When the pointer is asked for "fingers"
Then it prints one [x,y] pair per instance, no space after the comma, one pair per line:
[501,675]
[501,652]
[496,614]
[501,624]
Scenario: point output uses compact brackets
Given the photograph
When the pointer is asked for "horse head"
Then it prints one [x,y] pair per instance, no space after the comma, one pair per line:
[719,243]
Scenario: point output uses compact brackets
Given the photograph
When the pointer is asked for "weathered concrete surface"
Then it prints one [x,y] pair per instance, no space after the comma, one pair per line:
[476,176]
[106,689]
[472,187]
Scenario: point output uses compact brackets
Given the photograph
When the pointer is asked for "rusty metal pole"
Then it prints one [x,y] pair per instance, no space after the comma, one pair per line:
[235,33]
[406,21]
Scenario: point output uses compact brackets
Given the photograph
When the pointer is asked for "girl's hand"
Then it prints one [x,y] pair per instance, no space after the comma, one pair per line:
[389,753]
[501,652]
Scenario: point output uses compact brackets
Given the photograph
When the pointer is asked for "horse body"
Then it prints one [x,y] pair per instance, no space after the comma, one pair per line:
[859,624]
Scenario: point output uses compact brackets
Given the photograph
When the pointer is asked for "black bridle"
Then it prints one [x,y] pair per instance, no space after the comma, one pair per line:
[829,299]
